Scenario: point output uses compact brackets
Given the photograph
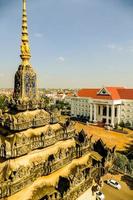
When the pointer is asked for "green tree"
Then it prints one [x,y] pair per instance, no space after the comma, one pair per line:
[60,105]
[121,161]
[3,102]
[130,166]
[128,124]
[122,124]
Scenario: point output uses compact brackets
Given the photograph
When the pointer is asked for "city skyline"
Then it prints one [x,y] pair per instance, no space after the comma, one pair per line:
[73,43]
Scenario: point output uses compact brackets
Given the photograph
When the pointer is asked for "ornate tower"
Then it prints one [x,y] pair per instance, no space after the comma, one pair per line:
[25,88]
[39,159]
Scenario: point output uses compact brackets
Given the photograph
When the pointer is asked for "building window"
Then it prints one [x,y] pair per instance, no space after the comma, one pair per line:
[99,110]
[104,111]
[115,112]
[109,111]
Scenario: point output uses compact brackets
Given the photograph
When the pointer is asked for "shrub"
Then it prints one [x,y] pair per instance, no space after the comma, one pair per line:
[122,124]
[121,161]
[3,102]
[128,124]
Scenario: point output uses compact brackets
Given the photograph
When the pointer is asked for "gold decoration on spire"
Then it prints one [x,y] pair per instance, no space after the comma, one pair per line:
[25,88]
[25,48]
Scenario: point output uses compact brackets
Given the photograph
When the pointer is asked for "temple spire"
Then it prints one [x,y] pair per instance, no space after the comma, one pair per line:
[25,87]
[25,48]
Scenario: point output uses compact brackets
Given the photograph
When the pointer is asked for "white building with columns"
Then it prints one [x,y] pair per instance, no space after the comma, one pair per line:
[108,105]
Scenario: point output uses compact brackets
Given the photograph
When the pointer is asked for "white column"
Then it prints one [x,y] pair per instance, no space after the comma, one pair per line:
[101,112]
[119,113]
[95,113]
[107,122]
[112,116]
[90,112]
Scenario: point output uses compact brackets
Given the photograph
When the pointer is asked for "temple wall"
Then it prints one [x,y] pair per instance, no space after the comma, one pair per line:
[79,179]
[17,179]
[21,144]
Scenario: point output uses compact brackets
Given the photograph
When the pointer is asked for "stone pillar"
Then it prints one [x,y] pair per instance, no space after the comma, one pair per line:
[112,116]
[90,112]
[107,122]
[95,113]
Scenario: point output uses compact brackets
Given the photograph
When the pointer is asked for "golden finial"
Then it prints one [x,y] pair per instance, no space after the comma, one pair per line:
[25,48]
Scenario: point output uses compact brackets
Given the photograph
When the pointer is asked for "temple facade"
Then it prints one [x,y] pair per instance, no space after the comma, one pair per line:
[41,160]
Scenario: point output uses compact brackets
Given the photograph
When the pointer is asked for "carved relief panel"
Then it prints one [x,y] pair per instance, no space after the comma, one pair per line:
[17,85]
[30,85]
[25,82]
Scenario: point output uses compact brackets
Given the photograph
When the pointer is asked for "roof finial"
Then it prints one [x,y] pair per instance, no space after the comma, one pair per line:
[25,48]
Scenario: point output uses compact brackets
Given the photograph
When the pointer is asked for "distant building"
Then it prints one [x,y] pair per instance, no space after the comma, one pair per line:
[60,96]
[6,91]
[109,105]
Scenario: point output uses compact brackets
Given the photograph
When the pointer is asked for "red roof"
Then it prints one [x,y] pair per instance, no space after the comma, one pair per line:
[70,94]
[112,93]
[126,93]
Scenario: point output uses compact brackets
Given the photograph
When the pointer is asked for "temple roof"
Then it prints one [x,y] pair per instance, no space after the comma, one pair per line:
[33,158]
[51,180]
[24,120]
[96,156]
[9,139]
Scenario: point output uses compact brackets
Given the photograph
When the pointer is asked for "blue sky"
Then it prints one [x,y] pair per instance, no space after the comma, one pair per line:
[74,43]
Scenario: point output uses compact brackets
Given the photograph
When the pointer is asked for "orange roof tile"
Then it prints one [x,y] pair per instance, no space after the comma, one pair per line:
[126,93]
[114,93]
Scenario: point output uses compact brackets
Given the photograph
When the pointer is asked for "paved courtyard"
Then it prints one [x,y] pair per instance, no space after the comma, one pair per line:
[126,192]
[87,196]
[110,138]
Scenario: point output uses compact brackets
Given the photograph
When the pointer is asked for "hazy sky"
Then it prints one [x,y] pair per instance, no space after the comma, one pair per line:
[74,43]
